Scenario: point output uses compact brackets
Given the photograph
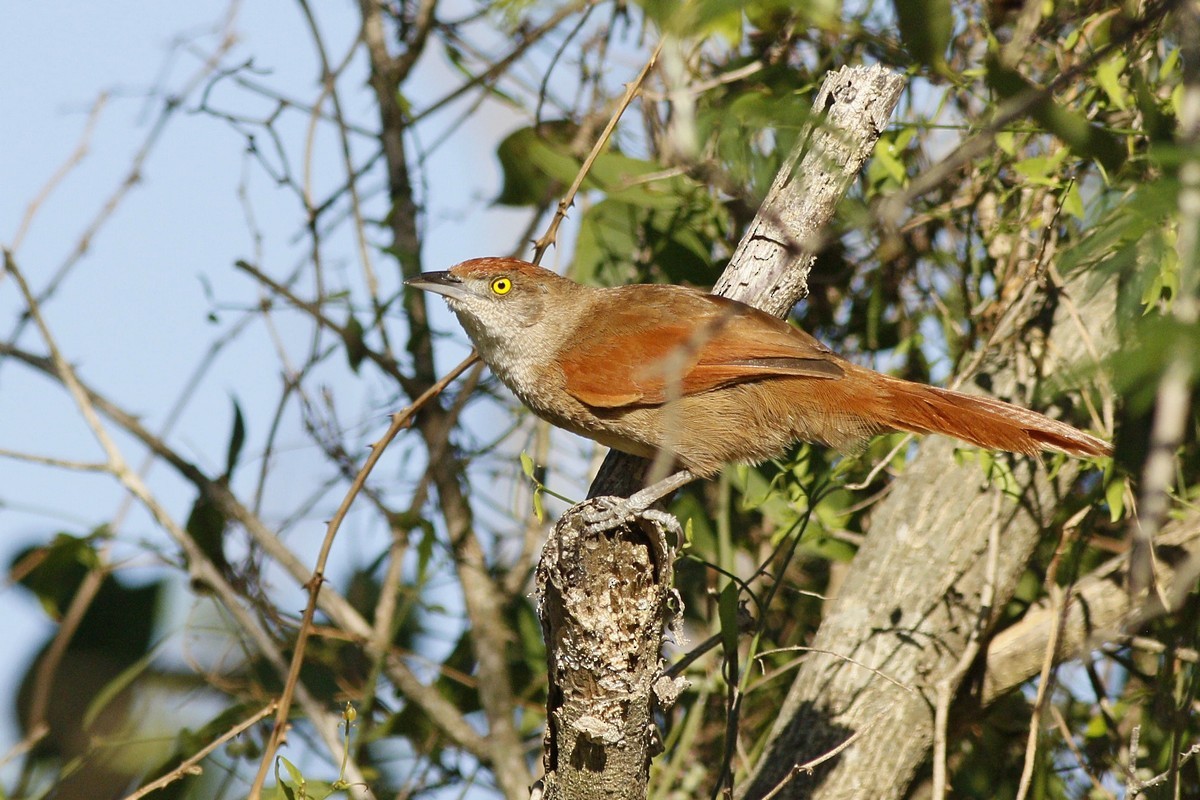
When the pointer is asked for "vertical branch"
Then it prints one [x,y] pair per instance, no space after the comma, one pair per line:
[586,752]
[483,598]
[603,602]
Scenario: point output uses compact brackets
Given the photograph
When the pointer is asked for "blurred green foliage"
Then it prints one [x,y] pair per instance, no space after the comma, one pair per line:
[1082,179]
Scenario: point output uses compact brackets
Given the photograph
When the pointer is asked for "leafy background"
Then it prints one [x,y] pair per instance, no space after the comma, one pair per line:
[217,142]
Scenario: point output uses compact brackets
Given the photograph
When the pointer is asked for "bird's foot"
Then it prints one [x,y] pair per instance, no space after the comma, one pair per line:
[603,514]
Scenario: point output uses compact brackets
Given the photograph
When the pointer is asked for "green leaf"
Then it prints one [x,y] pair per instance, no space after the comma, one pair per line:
[1072,202]
[697,18]
[1097,727]
[885,166]
[1159,125]
[536,163]
[1006,141]
[1114,495]
[206,525]
[1164,281]
[530,469]
[727,610]
[1154,343]
[404,103]
[296,775]
[759,494]
[527,466]
[728,26]
[1081,137]
[1108,76]
[237,438]
[699,534]
[117,685]
[925,28]
[1042,170]
[352,336]
[608,236]
[425,553]
[60,567]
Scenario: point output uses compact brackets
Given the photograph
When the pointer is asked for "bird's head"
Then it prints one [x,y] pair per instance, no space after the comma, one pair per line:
[497,299]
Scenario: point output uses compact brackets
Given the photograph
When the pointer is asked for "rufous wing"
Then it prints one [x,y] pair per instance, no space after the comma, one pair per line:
[688,343]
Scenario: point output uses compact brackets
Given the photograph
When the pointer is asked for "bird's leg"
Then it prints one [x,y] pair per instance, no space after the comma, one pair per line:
[607,513]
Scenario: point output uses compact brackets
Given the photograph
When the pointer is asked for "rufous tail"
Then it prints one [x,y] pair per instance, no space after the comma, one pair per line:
[982,421]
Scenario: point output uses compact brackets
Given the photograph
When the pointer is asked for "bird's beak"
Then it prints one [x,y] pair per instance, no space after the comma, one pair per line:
[442,283]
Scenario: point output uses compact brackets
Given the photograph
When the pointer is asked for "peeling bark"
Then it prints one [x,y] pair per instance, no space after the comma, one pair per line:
[604,598]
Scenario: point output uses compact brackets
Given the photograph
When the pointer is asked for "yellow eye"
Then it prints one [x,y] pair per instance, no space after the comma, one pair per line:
[501,285]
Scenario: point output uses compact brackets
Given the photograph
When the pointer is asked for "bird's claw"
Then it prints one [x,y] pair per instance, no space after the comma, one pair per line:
[604,514]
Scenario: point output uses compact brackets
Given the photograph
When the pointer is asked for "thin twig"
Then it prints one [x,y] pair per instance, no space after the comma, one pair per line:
[451,722]
[199,563]
[808,766]
[329,76]
[400,420]
[848,659]
[191,765]
[382,360]
[1132,784]
[73,160]
[631,90]
[1064,730]
[1043,694]
[700,87]
[904,442]
[1141,786]
[35,735]
[947,685]
[497,69]
[49,461]
[136,172]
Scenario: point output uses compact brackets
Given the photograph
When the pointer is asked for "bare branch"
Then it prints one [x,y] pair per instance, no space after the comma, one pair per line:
[1097,610]
[191,765]
[200,564]
[631,90]
[400,421]
[73,160]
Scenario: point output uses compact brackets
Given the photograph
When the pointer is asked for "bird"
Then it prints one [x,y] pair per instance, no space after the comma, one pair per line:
[649,368]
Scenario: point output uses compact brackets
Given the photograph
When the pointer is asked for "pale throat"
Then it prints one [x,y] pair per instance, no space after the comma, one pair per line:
[517,355]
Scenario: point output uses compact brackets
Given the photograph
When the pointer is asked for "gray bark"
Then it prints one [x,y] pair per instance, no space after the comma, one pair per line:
[604,602]
[604,597]
[770,267]
[1098,611]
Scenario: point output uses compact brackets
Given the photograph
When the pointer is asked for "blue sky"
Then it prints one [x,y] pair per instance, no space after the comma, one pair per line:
[132,315]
